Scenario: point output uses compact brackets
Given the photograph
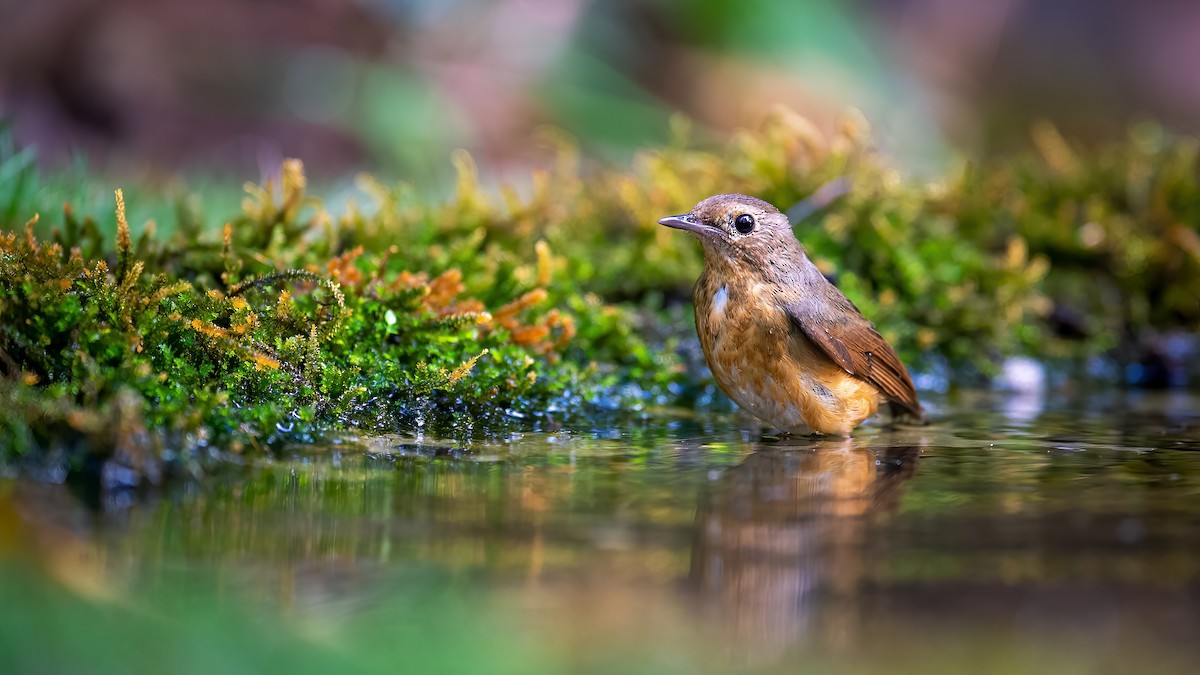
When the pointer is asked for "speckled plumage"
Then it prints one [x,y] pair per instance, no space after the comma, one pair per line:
[781,341]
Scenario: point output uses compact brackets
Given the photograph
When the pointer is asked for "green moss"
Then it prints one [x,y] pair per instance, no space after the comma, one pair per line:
[276,328]
[396,312]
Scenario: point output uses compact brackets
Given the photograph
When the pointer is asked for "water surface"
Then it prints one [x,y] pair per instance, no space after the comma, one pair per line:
[1013,535]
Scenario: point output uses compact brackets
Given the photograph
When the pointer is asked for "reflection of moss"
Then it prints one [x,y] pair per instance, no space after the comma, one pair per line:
[294,317]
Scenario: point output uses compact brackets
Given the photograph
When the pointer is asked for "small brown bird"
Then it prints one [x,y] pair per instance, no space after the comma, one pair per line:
[784,343]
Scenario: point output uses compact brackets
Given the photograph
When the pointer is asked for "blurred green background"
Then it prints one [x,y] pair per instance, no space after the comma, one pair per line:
[393,85]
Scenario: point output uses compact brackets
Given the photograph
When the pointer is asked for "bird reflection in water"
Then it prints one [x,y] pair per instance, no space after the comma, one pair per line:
[783,539]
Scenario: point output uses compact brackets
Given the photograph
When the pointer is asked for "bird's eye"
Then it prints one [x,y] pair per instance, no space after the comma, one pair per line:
[744,223]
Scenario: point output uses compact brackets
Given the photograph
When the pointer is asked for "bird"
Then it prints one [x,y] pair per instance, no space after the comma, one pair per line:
[781,340]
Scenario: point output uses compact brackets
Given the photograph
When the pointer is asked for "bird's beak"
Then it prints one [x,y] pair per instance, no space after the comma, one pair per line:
[685,222]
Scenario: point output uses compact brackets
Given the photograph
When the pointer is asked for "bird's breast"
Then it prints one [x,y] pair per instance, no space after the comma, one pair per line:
[770,370]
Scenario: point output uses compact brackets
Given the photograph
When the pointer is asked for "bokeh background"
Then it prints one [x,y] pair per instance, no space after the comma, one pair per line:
[394,85]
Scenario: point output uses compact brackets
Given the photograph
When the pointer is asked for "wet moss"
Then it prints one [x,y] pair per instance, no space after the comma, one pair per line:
[391,310]
[276,327]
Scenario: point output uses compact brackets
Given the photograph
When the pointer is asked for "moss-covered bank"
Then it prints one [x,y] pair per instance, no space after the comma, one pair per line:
[395,311]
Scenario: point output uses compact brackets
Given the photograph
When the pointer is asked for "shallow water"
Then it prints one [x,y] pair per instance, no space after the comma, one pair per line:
[1013,535]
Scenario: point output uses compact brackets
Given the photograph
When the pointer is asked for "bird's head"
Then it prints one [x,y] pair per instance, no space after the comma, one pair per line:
[738,228]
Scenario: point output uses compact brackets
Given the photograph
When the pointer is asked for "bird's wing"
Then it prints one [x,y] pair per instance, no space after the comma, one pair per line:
[846,336]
